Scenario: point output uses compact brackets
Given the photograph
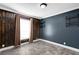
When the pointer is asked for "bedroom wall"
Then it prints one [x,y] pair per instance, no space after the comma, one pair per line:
[54,29]
[7,28]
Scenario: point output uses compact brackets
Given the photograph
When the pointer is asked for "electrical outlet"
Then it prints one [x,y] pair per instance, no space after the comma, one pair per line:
[64,43]
[3,45]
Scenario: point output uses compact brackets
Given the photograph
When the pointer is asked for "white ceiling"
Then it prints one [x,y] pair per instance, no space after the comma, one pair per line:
[34,10]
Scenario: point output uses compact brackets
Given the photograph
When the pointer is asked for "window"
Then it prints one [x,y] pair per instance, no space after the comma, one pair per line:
[25,27]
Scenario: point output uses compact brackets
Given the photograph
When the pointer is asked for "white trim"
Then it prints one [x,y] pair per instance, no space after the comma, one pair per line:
[64,46]
[10,47]
[6,48]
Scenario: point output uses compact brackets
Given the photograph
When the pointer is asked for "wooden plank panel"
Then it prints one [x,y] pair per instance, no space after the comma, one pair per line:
[35,26]
[31,33]
[17,31]
[7,28]
[0,29]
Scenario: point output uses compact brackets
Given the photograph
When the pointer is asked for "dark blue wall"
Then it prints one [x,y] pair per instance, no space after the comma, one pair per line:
[55,29]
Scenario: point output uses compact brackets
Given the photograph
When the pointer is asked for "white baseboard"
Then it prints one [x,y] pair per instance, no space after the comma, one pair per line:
[6,48]
[64,46]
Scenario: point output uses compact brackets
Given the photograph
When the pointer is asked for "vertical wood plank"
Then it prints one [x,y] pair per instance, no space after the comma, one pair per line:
[17,31]
[31,32]
[35,26]
[0,28]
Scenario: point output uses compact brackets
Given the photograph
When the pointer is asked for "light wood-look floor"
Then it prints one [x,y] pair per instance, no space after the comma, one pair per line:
[38,48]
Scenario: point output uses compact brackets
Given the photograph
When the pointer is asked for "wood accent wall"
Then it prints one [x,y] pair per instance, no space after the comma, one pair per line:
[35,28]
[0,29]
[17,31]
[31,33]
[9,29]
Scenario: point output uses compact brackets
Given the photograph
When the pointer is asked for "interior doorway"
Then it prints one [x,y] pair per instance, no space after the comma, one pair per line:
[25,29]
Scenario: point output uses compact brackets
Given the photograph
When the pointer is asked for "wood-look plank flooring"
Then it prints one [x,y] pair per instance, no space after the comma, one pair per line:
[38,48]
